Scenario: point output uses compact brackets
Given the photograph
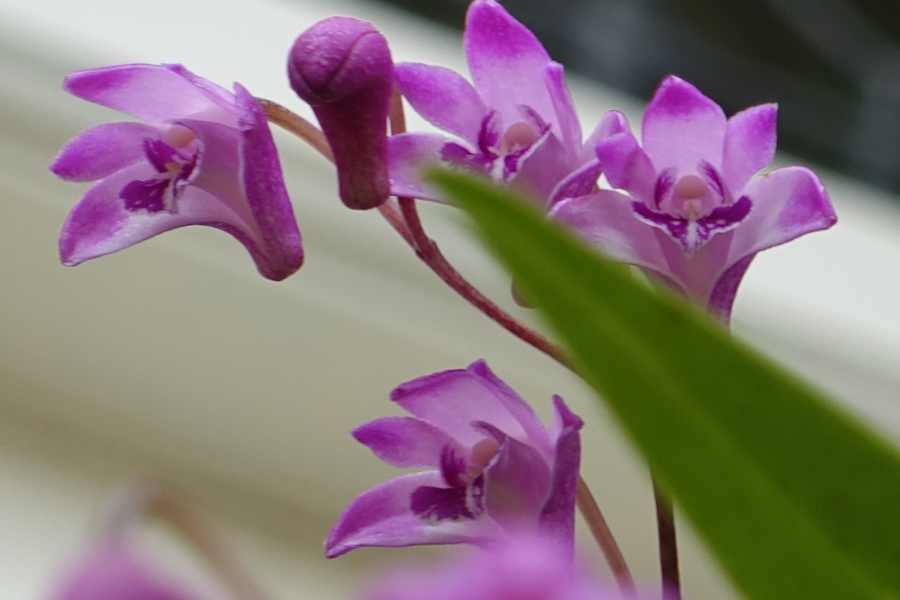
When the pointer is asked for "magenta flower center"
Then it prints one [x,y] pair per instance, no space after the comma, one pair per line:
[463,499]
[174,158]
[500,151]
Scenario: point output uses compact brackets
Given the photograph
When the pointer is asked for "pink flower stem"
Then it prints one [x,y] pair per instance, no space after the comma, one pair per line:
[403,216]
[140,500]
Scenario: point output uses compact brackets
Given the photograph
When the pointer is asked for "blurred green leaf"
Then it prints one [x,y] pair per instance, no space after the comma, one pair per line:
[796,499]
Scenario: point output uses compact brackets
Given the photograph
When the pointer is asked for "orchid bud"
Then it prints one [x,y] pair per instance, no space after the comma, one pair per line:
[342,68]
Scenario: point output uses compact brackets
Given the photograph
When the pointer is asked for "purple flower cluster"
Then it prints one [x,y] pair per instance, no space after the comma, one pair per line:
[685,201]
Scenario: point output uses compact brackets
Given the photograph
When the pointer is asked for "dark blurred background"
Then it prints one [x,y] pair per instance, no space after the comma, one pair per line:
[833,66]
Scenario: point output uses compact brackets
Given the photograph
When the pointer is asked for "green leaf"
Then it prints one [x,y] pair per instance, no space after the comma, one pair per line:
[796,499]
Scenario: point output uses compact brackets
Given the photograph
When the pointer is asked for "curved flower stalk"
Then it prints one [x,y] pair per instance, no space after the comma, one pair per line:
[688,205]
[202,156]
[493,467]
[113,571]
[517,123]
[524,566]
[342,68]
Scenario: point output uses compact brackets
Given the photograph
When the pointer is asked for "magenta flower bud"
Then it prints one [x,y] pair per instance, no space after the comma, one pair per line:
[342,68]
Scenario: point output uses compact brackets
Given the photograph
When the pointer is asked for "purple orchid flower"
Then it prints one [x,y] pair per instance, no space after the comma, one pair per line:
[525,566]
[517,124]
[342,68]
[689,207]
[112,571]
[203,156]
[493,467]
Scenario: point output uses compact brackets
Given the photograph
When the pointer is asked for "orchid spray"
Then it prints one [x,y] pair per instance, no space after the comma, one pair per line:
[773,478]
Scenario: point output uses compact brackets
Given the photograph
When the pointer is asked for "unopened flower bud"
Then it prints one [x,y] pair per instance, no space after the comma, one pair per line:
[342,68]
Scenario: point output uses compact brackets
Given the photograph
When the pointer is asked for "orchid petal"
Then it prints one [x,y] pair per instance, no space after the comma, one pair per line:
[99,224]
[516,481]
[406,441]
[453,399]
[627,166]
[558,511]
[153,93]
[682,127]
[342,67]
[611,123]
[517,407]
[382,517]
[266,194]
[569,126]
[721,299]
[102,150]
[506,61]
[788,203]
[443,98]
[580,182]
[409,155]
[542,166]
[749,144]
[607,220]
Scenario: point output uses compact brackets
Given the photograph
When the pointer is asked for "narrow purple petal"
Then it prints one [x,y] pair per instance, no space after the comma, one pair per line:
[382,517]
[281,250]
[453,399]
[541,167]
[506,61]
[406,441]
[442,97]
[564,107]
[409,155]
[153,93]
[606,220]
[580,182]
[682,127]
[516,482]
[557,516]
[626,166]
[788,203]
[721,299]
[113,572]
[611,123]
[342,67]
[749,144]
[102,150]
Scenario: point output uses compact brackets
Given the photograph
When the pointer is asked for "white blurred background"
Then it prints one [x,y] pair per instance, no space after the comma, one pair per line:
[175,358]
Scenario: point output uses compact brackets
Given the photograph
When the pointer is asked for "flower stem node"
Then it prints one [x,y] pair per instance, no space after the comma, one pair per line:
[342,68]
